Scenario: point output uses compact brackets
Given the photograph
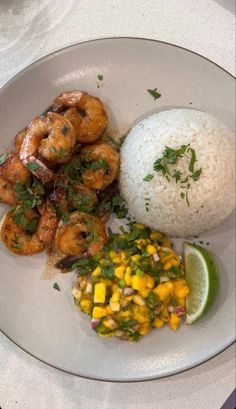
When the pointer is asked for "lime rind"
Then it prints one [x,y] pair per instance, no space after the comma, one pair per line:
[202,277]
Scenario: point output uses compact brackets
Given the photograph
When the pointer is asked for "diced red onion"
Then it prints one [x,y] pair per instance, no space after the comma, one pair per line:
[179,310]
[128,291]
[156,257]
[164,279]
[89,288]
[94,323]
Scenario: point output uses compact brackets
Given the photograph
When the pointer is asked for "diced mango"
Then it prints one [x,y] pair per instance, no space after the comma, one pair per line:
[99,312]
[165,316]
[155,235]
[96,272]
[139,283]
[125,314]
[150,281]
[99,293]
[151,249]
[115,296]
[137,299]
[140,317]
[181,289]
[144,328]
[124,258]
[158,323]
[120,272]
[108,310]
[128,278]
[181,301]
[174,321]
[144,293]
[141,242]
[164,290]
[139,226]
[85,305]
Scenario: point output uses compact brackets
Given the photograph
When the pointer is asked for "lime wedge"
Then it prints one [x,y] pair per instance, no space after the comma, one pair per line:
[202,278]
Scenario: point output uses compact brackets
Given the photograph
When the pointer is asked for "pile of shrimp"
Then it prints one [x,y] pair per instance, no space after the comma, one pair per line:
[54,177]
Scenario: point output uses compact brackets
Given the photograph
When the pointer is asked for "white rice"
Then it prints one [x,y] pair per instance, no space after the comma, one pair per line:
[211,198]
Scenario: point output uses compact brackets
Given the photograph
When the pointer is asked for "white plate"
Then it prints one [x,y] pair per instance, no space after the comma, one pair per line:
[43,321]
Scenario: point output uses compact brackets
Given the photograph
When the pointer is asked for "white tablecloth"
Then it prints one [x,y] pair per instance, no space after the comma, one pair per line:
[30,29]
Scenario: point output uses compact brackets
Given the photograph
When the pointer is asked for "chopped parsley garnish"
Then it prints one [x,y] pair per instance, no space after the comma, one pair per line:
[100,77]
[56,287]
[154,93]
[172,157]
[148,177]
[64,129]
[3,158]
[32,166]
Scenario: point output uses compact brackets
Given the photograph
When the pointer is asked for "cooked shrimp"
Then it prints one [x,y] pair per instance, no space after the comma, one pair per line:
[47,225]
[102,163]
[13,170]
[7,192]
[74,196]
[19,139]
[86,113]
[18,238]
[82,232]
[52,137]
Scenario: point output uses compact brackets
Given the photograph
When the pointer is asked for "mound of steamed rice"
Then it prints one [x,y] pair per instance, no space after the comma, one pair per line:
[211,197]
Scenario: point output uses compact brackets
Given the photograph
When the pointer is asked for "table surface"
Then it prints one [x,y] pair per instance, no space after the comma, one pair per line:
[29,30]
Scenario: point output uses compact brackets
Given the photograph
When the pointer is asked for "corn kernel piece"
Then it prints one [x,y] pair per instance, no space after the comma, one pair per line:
[137,299]
[150,281]
[167,265]
[167,243]
[120,272]
[181,289]
[164,290]
[139,283]
[142,242]
[99,293]
[158,323]
[174,321]
[139,226]
[151,249]
[99,312]
[117,259]
[128,278]
[136,258]
[125,314]
[96,272]
[166,255]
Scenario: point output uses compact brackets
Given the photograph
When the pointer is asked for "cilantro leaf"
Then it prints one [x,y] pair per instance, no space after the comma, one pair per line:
[3,158]
[32,166]
[56,287]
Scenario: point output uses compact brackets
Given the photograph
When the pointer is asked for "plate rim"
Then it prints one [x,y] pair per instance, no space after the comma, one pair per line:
[74,45]
[2,90]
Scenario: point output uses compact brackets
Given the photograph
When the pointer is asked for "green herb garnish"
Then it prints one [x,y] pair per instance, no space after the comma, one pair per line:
[148,177]
[100,77]
[3,158]
[32,166]
[154,93]
[56,287]
[172,157]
